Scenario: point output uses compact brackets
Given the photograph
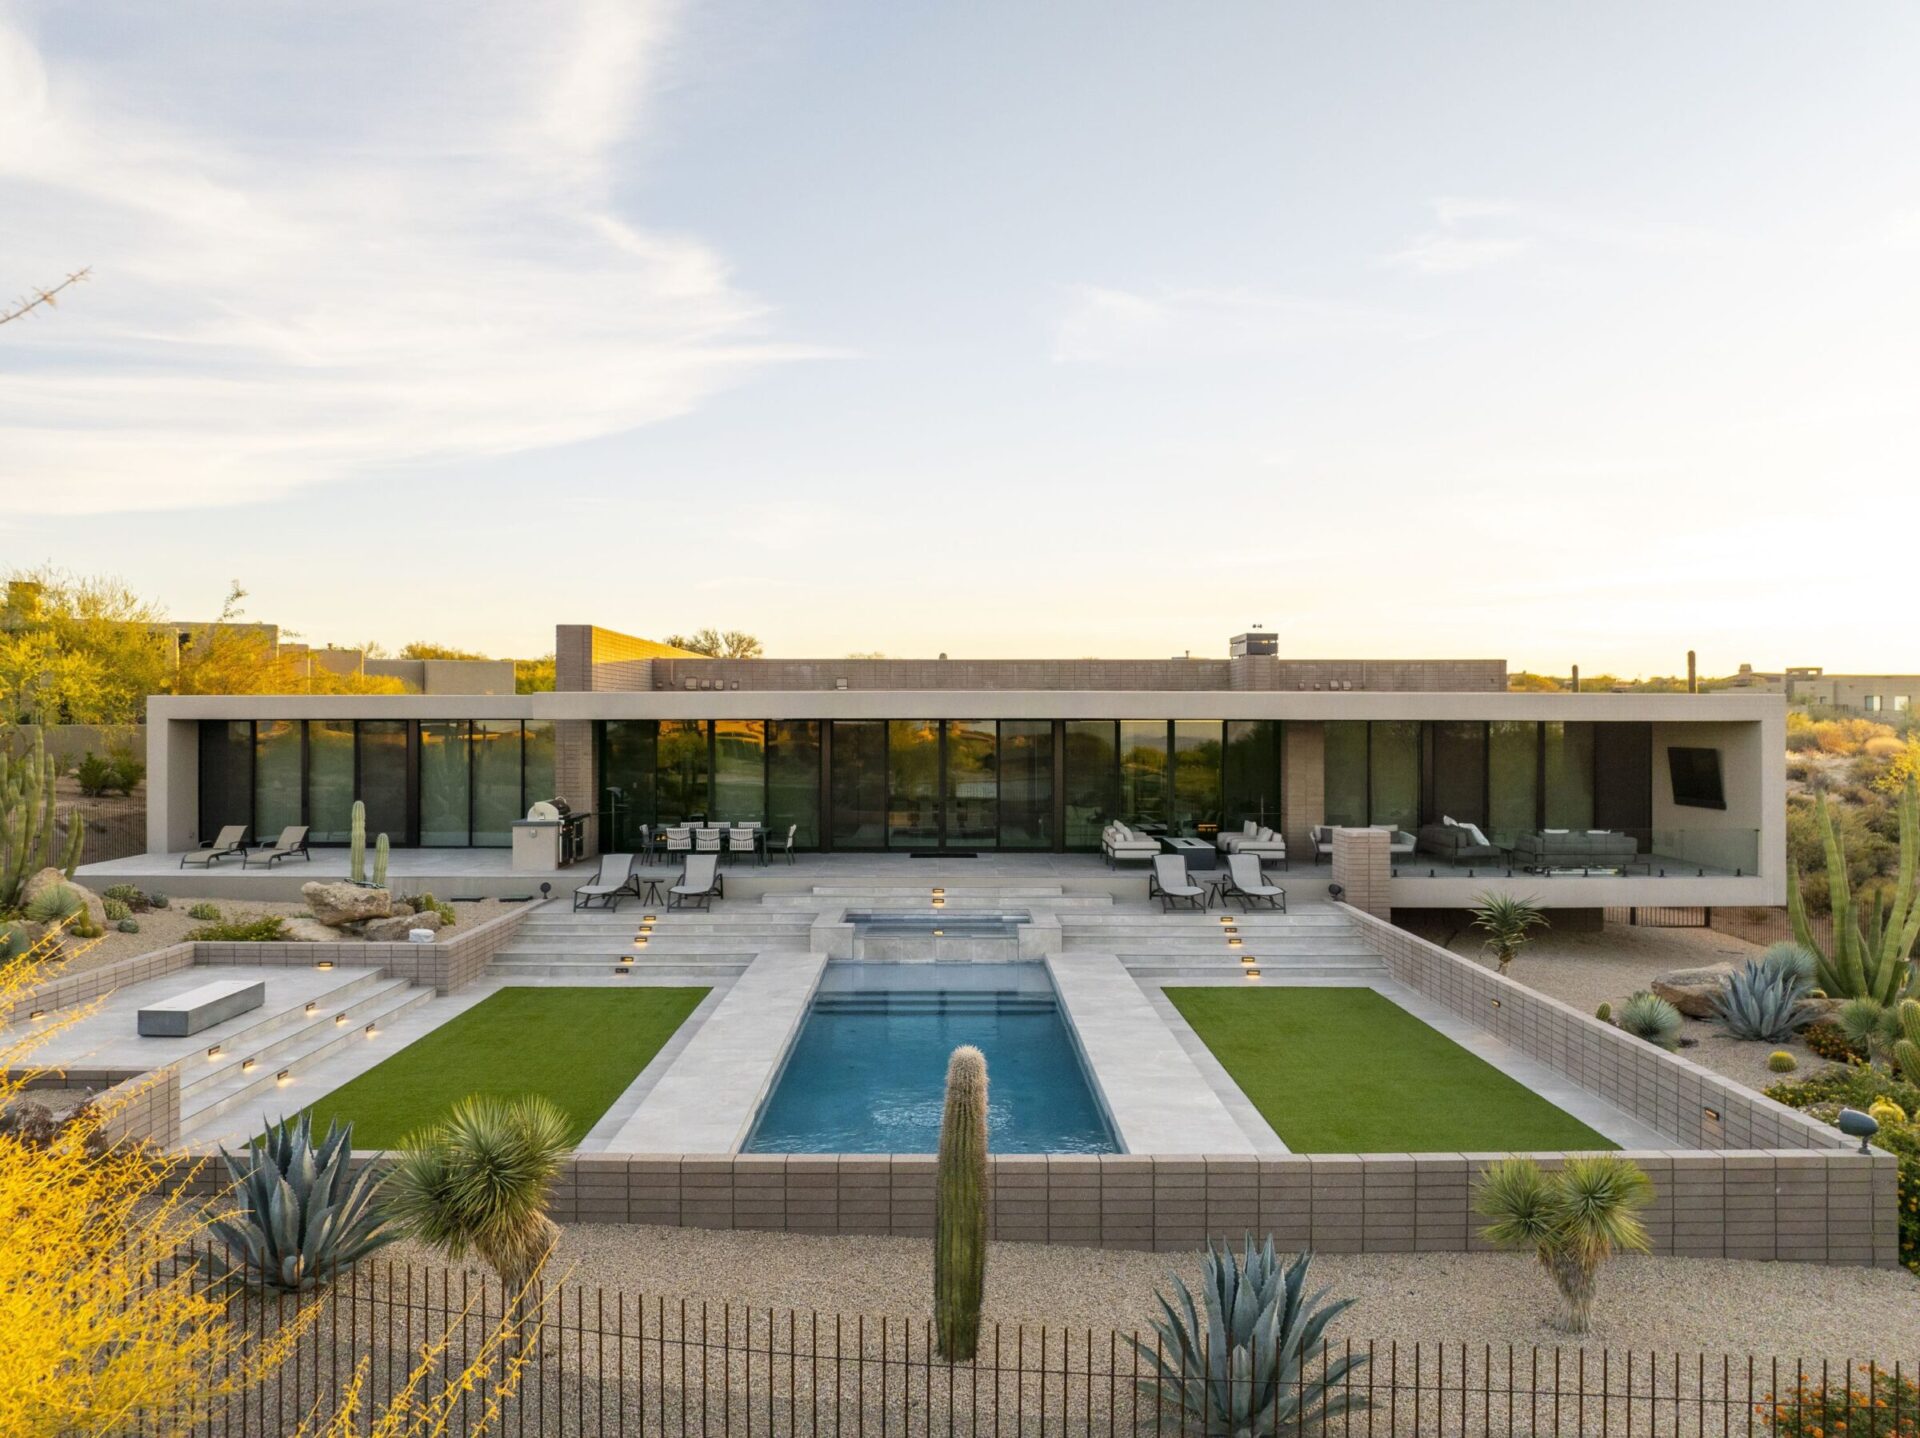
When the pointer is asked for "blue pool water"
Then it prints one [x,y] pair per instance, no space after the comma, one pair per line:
[867,1073]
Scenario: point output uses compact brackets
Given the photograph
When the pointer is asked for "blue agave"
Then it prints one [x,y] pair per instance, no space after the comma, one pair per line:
[1243,1368]
[1762,998]
[302,1218]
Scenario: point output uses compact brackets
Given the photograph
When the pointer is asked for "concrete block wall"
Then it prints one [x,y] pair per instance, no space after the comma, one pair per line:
[67,990]
[1362,867]
[1431,676]
[1303,786]
[988,674]
[141,1106]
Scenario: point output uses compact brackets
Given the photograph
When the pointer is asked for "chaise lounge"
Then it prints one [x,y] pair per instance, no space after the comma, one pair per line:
[1244,881]
[613,883]
[232,839]
[1170,884]
[292,840]
[699,884]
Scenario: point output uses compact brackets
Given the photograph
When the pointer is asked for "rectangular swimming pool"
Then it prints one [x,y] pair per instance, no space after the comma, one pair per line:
[867,1071]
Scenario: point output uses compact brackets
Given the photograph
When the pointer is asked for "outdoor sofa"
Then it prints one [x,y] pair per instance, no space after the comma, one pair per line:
[1457,843]
[1574,849]
[1253,838]
[1119,842]
[1399,841]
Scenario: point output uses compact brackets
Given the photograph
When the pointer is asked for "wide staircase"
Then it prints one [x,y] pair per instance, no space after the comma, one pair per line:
[247,1068]
[556,942]
[1316,945]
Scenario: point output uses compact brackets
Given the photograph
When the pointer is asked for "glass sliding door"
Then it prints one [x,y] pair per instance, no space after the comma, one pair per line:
[496,782]
[1513,780]
[740,769]
[1251,774]
[445,791]
[1092,779]
[793,782]
[383,784]
[626,782]
[277,776]
[1459,773]
[1026,784]
[680,777]
[859,783]
[1196,777]
[1569,775]
[226,777]
[1394,773]
[330,781]
[536,768]
[913,780]
[1346,773]
[972,784]
[1143,773]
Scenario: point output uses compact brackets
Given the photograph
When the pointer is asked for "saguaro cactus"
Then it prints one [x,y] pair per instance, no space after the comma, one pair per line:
[1869,957]
[960,1207]
[357,844]
[380,862]
[27,819]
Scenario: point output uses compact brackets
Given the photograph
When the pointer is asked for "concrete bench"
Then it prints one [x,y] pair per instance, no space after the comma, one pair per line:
[201,1008]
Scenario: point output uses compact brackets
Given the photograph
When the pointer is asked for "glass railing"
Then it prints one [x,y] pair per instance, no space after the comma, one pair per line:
[1580,853]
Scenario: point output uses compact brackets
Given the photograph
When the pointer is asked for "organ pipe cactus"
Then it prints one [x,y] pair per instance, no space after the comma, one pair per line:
[27,820]
[1870,952]
[302,1216]
[380,862]
[357,844]
[960,1207]
[1906,1048]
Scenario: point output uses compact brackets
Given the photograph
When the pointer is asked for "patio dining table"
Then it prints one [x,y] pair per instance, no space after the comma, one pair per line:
[653,839]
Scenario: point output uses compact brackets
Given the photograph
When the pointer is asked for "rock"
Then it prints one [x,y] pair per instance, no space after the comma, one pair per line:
[1819,1011]
[396,929]
[50,878]
[1692,991]
[311,931]
[338,904]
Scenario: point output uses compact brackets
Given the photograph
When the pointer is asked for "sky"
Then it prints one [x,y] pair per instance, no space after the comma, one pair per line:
[1565,334]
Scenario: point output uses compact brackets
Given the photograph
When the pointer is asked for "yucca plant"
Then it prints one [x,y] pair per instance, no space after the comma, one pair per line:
[1647,1016]
[1508,923]
[302,1217]
[1792,958]
[1573,1219]
[480,1182]
[1245,1358]
[1762,1000]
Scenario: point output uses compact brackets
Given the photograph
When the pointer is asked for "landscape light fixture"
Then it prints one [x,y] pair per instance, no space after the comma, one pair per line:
[324,964]
[1226,919]
[546,891]
[939,893]
[1253,973]
[213,1053]
[312,1004]
[1233,943]
[639,941]
[1713,1114]
[372,1029]
[339,1019]
[285,1076]
[1855,1124]
[249,1066]
[1248,959]
[38,1014]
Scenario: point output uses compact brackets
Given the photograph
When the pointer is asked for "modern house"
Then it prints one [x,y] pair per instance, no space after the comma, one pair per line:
[1882,694]
[1582,800]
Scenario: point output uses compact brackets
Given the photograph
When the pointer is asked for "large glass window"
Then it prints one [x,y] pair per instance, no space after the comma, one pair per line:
[680,776]
[793,781]
[626,782]
[276,776]
[1346,772]
[443,784]
[1026,784]
[1143,772]
[536,770]
[913,796]
[1459,773]
[739,769]
[1513,779]
[1569,772]
[383,785]
[973,784]
[226,776]
[1395,773]
[1093,780]
[1196,777]
[1251,782]
[859,783]
[330,781]
[496,782]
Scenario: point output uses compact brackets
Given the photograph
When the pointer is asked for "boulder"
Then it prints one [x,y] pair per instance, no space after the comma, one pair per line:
[339,904]
[51,878]
[1693,991]
[395,930]
[311,931]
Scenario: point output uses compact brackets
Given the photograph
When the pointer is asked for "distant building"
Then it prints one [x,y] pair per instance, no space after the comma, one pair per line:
[1812,685]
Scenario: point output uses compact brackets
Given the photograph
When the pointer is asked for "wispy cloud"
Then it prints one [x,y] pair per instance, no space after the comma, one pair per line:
[339,243]
[1102,325]
[1477,234]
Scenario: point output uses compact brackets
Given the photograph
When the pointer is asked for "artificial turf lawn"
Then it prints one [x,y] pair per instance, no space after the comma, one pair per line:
[1349,1071]
[578,1047]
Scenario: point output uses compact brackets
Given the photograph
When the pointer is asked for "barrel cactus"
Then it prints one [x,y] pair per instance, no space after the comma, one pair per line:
[357,844]
[1247,1357]
[1884,1111]
[380,862]
[1782,1062]
[960,1207]
[302,1216]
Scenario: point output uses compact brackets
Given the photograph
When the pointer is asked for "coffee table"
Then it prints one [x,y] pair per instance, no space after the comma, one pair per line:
[1198,853]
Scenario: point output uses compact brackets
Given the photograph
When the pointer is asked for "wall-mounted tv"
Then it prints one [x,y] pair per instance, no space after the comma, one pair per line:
[1696,778]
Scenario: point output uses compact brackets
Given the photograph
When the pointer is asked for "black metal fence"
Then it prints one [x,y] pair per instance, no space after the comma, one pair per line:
[599,1362]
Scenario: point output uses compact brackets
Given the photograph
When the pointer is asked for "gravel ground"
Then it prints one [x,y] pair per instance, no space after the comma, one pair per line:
[1660,1303]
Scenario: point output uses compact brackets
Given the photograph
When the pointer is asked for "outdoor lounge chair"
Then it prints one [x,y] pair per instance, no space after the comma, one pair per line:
[292,840]
[613,883]
[1257,839]
[1120,842]
[1169,883]
[699,882]
[1244,882]
[232,839]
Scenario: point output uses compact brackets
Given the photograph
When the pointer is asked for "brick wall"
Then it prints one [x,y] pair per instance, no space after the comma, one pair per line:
[1303,785]
[1361,868]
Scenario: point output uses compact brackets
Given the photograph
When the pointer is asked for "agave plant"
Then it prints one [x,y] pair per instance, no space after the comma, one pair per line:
[302,1216]
[1242,1365]
[1763,1000]
[1647,1016]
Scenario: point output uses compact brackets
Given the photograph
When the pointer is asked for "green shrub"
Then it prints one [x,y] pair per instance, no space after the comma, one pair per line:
[266,929]
[1604,1013]
[128,926]
[1782,1062]
[55,903]
[1812,1409]
[1648,1016]
[1824,1094]
[94,775]
[14,941]
[116,909]
[1828,1041]
[447,917]
[125,773]
[128,894]
[206,913]
[158,901]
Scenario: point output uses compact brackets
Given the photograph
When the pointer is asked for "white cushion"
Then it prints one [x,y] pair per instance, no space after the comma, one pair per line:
[1449,821]
[1473,832]
[1556,831]
[1249,827]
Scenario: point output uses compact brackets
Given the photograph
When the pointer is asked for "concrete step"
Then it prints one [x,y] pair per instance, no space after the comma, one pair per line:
[267,1026]
[1147,944]
[703,971]
[624,933]
[689,949]
[237,1087]
[268,1043]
